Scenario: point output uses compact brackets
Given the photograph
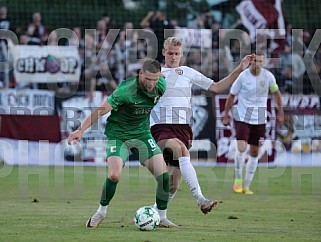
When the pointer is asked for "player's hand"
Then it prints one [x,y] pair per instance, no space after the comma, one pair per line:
[246,61]
[226,120]
[74,137]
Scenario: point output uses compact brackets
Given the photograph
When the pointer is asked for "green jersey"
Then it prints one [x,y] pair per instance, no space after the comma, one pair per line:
[131,108]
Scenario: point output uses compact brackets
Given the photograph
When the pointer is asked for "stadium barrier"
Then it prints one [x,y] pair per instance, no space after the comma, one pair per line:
[212,142]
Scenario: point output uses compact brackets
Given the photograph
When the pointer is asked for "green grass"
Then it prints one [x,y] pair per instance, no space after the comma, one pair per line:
[53,204]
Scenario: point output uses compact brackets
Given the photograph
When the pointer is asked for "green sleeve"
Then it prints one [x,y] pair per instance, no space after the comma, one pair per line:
[161,85]
[116,99]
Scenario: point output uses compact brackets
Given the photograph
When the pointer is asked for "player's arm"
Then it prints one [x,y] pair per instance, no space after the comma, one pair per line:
[228,105]
[279,105]
[104,108]
[226,82]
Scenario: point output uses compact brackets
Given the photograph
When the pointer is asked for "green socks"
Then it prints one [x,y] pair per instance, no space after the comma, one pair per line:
[162,191]
[108,192]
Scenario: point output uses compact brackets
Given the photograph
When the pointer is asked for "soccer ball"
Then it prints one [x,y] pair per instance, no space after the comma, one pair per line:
[146,218]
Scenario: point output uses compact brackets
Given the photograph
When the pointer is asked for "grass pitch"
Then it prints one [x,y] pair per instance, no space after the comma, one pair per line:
[41,203]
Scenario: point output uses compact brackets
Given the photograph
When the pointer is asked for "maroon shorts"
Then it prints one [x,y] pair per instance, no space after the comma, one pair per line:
[249,132]
[183,132]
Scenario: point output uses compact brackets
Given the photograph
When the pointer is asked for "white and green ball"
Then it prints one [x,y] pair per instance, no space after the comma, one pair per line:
[146,218]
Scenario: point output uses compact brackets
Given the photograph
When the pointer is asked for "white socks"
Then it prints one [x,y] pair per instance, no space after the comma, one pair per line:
[250,170]
[102,209]
[239,163]
[189,174]
[162,213]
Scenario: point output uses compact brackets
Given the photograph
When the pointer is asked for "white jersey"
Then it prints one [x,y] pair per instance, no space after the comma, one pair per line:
[174,107]
[252,93]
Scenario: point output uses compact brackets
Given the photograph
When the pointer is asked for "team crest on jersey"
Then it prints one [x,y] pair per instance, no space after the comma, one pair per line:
[179,71]
[156,99]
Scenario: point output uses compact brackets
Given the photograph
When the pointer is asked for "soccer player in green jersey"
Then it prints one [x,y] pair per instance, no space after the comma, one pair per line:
[128,129]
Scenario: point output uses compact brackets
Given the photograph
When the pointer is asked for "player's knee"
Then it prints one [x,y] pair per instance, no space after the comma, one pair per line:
[241,147]
[115,176]
[254,153]
[254,150]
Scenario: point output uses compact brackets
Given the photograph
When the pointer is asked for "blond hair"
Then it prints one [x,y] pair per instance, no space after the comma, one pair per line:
[174,41]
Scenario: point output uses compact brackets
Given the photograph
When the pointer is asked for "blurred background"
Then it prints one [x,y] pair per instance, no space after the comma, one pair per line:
[46,91]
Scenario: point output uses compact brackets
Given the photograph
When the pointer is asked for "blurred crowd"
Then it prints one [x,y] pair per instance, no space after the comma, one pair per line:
[112,53]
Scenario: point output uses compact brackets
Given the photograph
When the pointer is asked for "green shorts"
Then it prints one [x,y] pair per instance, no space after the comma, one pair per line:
[143,147]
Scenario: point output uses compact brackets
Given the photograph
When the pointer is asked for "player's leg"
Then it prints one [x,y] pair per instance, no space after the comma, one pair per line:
[116,153]
[162,132]
[172,168]
[175,180]
[176,139]
[188,172]
[181,153]
[242,134]
[250,169]
[239,161]
[257,132]
[151,156]
[115,165]
[156,165]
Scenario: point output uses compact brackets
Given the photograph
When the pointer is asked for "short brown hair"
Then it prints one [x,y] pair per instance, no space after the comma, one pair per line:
[152,66]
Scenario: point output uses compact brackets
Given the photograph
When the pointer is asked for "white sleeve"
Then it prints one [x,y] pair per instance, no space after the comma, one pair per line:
[200,80]
[236,87]
[271,78]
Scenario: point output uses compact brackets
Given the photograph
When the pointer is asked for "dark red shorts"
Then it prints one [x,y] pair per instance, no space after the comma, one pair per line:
[249,132]
[183,132]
